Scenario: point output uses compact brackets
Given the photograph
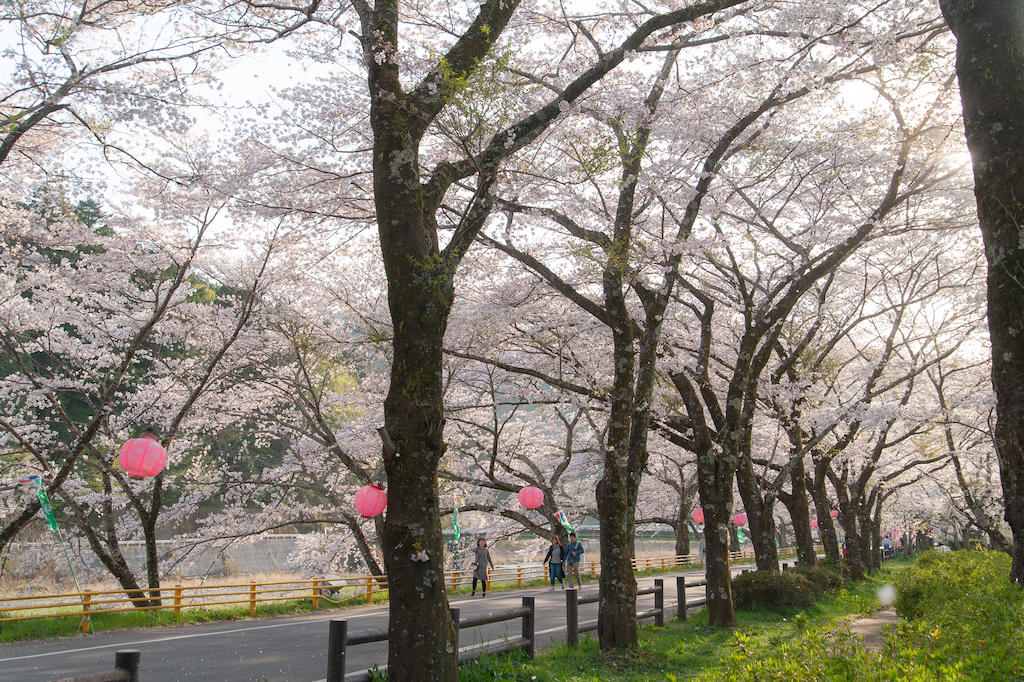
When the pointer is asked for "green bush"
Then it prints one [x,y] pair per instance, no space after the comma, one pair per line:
[826,578]
[773,590]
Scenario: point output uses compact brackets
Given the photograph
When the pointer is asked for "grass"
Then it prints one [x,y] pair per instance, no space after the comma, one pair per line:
[682,650]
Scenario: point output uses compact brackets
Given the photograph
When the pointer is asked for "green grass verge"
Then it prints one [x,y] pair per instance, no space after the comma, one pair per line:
[684,650]
[69,625]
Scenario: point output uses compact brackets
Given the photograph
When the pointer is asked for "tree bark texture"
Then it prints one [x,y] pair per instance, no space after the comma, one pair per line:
[800,514]
[823,508]
[990,68]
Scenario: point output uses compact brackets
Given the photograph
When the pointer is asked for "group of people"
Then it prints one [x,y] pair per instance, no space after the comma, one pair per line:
[559,560]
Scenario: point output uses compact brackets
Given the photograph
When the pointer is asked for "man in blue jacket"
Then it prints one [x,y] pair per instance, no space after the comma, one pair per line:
[573,554]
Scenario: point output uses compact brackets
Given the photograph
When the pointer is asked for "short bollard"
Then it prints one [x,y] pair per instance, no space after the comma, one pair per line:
[127,661]
[785,567]
[659,602]
[681,596]
[337,640]
[528,626]
[572,618]
[456,616]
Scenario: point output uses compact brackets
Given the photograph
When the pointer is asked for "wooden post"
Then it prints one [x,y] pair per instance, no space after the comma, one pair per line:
[337,640]
[252,599]
[785,566]
[519,576]
[528,630]
[127,661]
[316,594]
[85,625]
[455,583]
[681,596]
[454,613]
[659,602]
[369,589]
[572,618]
[177,601]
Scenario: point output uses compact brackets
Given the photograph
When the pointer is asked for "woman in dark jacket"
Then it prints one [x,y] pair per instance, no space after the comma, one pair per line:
[554,559]
[481,559]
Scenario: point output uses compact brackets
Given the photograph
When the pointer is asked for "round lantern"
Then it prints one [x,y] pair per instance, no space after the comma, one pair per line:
[739,519]
[834,514]
[698,515]
[814,523]
[142,457]
[531,497]
[370,500]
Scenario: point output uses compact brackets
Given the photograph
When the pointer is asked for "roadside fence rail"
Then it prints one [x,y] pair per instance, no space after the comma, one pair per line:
[320,591]
[339,640]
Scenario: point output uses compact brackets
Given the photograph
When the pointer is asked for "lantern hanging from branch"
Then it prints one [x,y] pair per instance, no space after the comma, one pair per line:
[531,497]
[143,457]
[814,523]
[698,515]
[739,519]
[834,514]
[370,500]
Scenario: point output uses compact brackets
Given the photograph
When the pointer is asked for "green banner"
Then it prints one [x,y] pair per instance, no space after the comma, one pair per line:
[44,502]
[455,519]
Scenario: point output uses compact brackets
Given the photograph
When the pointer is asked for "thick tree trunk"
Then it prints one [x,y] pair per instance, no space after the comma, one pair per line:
[854,551]
[422,642]
[760,517]
[798,505]
[716,539]
[990,67]
[823,509]
[616,618]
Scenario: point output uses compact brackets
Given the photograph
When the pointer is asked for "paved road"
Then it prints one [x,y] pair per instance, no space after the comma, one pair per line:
[282,649]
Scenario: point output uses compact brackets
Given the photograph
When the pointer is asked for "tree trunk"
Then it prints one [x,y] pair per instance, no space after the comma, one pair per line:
[990,68]
[823,508]
[682,531]
[716,539]
[422,642]
[616,617]
[798,505]
[760,517]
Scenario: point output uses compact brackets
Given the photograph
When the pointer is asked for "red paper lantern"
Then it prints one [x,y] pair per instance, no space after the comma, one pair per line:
[531,497]
[698,515]
[834,514]
[739,519]
[370,500]
[814,523]
[142,457]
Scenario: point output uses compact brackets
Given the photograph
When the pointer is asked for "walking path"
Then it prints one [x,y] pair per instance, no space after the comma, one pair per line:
[873,628]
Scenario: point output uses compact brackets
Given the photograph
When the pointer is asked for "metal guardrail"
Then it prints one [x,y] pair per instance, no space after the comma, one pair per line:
[126,669]
[339,640]
[339,590]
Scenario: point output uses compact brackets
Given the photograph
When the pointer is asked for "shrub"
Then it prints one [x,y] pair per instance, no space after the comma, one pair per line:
[826,578]
[773,590]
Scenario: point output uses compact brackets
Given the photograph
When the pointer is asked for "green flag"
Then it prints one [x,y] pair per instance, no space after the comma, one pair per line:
[455,518]
[44,502]
[740,535]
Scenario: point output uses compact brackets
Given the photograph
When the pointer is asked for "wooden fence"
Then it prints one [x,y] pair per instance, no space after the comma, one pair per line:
[335,591]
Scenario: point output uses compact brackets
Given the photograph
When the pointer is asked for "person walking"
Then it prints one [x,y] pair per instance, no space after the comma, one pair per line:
[573,554]
[554,559]
[481,559]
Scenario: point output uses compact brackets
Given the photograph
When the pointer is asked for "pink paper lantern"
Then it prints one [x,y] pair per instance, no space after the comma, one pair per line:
[739,519]
[834,514]
[814,523]
[370,500]
[698,515]
[531,497]
[142,457]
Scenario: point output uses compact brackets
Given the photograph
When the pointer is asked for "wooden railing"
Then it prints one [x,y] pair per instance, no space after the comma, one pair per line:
[334,591]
